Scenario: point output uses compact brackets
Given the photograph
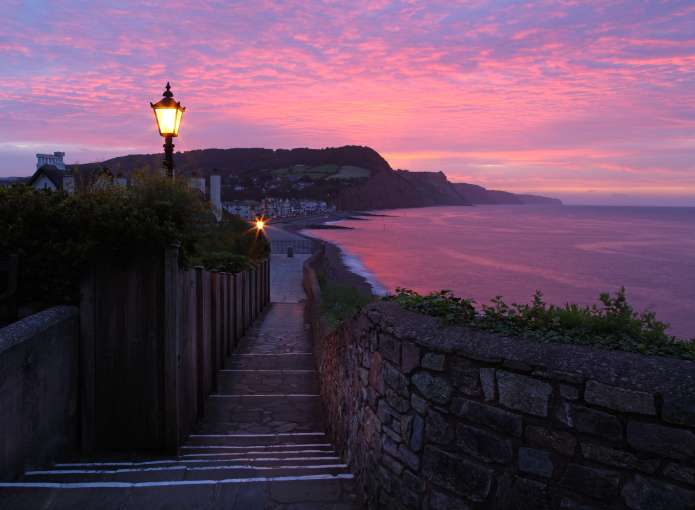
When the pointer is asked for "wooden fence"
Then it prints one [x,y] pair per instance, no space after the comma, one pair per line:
[153,337]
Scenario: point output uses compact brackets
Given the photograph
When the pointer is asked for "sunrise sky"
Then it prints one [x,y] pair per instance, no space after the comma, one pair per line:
[589,101]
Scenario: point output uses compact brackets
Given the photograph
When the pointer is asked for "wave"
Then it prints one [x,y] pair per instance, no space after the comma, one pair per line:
[354,264]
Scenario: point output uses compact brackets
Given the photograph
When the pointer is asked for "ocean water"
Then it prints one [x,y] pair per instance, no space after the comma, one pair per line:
[570,253]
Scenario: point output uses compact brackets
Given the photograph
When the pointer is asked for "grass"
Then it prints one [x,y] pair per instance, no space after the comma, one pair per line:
[351,172]
[340,302]
[612,324]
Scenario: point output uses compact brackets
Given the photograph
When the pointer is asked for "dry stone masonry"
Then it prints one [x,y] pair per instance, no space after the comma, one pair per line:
[433,417]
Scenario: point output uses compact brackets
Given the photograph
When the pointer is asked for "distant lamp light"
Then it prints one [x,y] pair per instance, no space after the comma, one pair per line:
[260,224]
[168,113]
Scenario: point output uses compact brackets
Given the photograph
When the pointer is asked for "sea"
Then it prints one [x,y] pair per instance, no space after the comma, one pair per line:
[569,253]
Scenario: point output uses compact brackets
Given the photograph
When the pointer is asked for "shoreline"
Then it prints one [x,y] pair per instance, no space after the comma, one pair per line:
[334,263]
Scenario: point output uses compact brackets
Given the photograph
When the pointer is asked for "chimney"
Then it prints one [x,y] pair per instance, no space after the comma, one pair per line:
[55,159]
[215,196]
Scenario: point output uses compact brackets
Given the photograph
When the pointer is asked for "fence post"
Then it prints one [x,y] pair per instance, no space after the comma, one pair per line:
[229,312]
[232,311]
[88,360]
[172,356]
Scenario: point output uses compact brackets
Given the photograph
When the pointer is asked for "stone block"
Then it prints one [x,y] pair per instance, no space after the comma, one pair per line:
[407,497]
[679,410]
[390,348]
[410,357]
[376,381]
[559,441]
[466,377]
[597,423]
[661,440]
[618,458]
[394,379]
[389,446]
[418,403]
[597,483]
[364,376]
[488,415]
[405,427]
[559,375]
[408,458]
[437,428]
[483,445]
[523,393]
[397,401]
[487,381]
[386,413]
[392,434]
[441,501]
[456,474]
[569,392]
[570,504]
[681,473]
[647,494]
[619,399]
[392,464]
[527,494]
[432,361]
[535,462]
[433,388]
[417,433]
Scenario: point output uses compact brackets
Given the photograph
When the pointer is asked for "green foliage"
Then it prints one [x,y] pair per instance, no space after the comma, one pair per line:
[340,302]
[224,261]
[57,235]
[441,304]
[613,324]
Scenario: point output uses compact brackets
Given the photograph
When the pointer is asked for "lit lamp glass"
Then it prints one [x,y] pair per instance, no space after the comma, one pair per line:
[168,113]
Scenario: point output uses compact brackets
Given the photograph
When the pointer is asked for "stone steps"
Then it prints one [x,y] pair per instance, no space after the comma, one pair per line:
[252,457]
[315,492]
[251,382]
[283,361]
[262,408]
[227,470]
[261,444]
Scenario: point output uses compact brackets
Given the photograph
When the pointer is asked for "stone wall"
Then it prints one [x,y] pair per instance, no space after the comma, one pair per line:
[38,389]
[433,417]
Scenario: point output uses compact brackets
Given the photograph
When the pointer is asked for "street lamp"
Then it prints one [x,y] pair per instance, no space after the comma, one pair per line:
[168,113]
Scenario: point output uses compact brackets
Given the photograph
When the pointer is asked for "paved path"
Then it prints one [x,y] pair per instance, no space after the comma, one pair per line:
[261,444]
[286,278]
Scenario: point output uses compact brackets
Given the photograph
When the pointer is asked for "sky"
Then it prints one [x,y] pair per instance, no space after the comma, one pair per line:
[589,101]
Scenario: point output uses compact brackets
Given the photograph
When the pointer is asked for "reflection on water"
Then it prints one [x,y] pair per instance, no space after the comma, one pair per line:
[570,253]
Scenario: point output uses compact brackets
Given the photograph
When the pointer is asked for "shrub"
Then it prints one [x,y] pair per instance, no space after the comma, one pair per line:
[613,324]
[340,302]
[56,235]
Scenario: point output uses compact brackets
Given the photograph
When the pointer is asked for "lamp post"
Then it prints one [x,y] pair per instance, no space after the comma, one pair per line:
[168,113]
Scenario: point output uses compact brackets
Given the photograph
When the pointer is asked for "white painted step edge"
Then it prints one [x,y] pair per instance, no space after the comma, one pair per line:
[135,485]
[182,468]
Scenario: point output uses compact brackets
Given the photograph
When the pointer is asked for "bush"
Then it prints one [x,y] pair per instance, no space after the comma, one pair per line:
[56,235]
[340,302]
[613,324]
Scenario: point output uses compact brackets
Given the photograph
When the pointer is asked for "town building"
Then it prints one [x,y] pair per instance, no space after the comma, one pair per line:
[55,159]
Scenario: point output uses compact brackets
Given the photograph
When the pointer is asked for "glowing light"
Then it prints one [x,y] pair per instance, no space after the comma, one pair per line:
[168,113]
[260,224]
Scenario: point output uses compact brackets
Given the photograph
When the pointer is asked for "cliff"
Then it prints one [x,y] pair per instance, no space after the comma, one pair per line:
[397,189]
[353,177]
[478,195]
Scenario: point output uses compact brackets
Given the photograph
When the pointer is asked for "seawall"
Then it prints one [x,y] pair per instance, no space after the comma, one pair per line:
[434,417]
[39,419]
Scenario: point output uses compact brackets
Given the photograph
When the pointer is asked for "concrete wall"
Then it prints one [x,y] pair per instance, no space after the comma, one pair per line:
[433,417]
[38,389]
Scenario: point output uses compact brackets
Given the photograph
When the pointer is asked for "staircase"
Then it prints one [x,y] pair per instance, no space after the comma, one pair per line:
[261,444]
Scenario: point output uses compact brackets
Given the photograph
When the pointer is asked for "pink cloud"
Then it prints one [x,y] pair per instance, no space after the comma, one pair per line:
[500,95]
